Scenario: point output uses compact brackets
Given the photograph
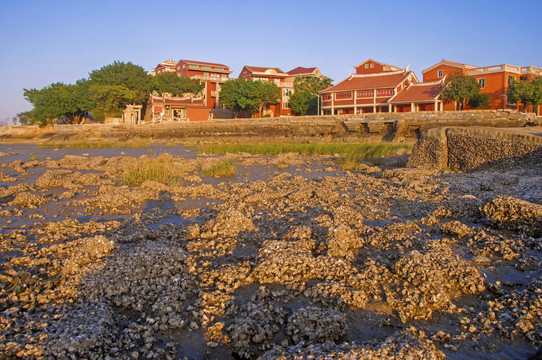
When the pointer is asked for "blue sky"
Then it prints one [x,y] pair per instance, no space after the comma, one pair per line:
[42,42]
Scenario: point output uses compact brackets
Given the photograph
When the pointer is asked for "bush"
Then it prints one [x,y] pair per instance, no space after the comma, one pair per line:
[479,101]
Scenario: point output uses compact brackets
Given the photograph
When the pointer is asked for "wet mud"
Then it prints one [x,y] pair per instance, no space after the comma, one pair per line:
[291,258]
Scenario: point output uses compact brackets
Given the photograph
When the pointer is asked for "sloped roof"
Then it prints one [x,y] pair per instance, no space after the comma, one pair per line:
[394,68]
[302,70]
[371,81]
[265,70]
[450,63]
[419,92]
[204,63]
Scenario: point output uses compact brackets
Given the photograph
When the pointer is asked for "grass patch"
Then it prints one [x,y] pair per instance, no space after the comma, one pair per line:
[100,144]
[352,153]
[223,168]
[160,169]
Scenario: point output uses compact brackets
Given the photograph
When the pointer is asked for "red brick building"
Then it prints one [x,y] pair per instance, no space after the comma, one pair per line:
[378,87]
[494,80]
[443,69]
[211,74]
[172,108]
[283,81]
[165,66]
[303,71]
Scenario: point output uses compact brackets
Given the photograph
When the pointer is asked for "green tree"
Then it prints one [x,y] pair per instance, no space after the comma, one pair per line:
[459,88]
[228,94]
[110,100]
[132,77]
[479,101]
[52,103]
[250,95]
[311,83]
[526,92]
[176,85]
[304,101]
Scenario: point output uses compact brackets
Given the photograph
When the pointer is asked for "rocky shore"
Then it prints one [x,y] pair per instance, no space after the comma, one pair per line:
[291,258]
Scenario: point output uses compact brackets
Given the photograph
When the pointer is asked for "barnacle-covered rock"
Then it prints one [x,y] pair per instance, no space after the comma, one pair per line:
[515,214]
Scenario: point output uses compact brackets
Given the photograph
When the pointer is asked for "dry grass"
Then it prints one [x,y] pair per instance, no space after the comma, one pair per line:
[352,154]
[160,169]
[223,168]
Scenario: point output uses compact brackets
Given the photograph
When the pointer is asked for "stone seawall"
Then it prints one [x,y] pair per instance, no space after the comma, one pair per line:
[388,126]
[462,148]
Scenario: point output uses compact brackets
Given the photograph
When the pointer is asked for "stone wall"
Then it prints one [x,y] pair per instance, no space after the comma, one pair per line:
[387,126]
[462,148]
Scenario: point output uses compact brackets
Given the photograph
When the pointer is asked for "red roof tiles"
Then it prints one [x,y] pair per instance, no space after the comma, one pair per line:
[417,93]
[203,63]
[371,81]
[301,70]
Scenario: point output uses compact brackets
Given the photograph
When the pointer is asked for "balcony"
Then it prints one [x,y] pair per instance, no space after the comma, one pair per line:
[496,68]
[209,78]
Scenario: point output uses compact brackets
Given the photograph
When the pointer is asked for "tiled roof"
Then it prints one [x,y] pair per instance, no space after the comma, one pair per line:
[370,81]
[450,63]
[386,66]
[262,70]
[417,93]
[203,63]
[301,70]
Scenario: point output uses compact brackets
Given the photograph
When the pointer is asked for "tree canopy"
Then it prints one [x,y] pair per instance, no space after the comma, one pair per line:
[176,85]
[459,88]
[240,94]
[304,101]
[526,92]
[106,92]
[56,101]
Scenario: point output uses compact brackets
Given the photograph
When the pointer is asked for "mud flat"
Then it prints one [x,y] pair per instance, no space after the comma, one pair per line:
[290,258]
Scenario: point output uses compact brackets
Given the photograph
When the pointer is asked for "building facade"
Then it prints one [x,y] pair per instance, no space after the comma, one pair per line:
[164,66]
[494,80]
[377,87]
[211,74]
[171,108]
[283,81]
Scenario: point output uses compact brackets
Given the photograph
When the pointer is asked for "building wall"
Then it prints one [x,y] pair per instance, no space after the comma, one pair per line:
[376,68]
[496,86]
[432,75]
[197,114]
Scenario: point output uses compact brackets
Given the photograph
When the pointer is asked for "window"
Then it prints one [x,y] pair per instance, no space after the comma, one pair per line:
[206,67]
[482,83]
[365,93]
[511,79]
[343,95]
[326,97]
[219,68]
[288,92]
[440,73]
[285,105]
[224,75]
[372,65]
[206,74]
[366,66]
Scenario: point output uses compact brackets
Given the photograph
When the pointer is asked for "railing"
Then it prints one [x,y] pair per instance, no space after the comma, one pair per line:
[209,78]
[496,68]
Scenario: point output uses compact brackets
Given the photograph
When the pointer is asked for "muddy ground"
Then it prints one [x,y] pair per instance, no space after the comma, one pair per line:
[291,258]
